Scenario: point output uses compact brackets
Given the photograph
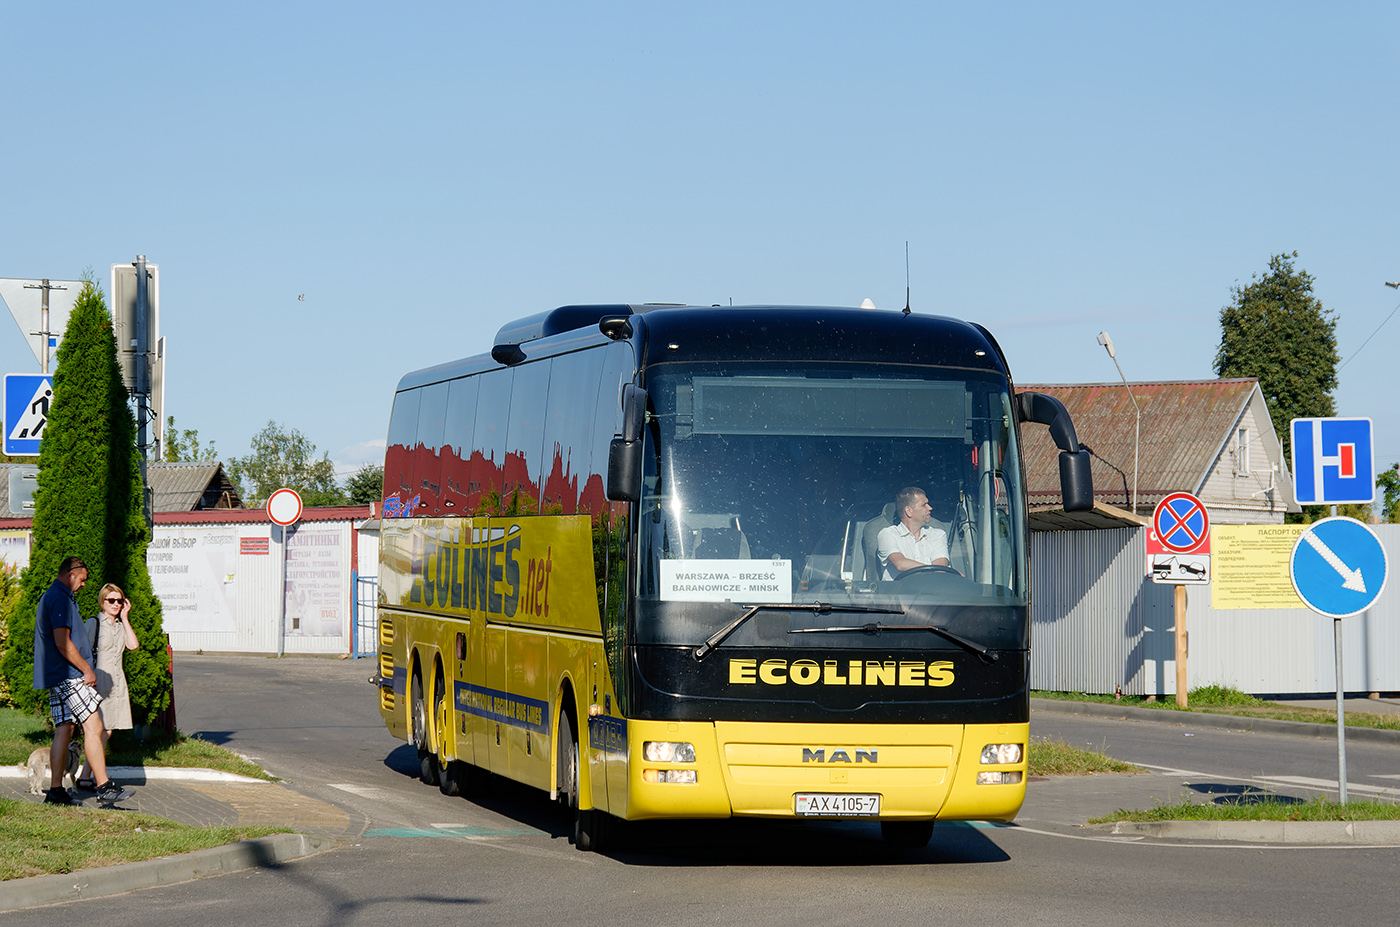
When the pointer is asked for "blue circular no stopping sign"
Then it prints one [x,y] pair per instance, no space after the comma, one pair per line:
[1338,567]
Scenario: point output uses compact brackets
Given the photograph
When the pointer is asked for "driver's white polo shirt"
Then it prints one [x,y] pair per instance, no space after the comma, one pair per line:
[931,545]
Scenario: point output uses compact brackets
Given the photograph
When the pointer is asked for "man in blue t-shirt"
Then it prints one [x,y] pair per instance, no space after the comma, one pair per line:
[61,655]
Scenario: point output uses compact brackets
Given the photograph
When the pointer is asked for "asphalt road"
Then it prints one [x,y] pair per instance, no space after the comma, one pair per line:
[428,859]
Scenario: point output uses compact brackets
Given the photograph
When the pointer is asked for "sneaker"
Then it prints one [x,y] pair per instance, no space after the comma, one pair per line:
[59,796]
[87,785]
[109,792]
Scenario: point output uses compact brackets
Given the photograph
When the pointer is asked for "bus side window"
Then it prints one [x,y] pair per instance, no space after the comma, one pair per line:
[611,533]
[489,438]
[399,478]
[427,461]
[525,438]
[568,429]
[457,495]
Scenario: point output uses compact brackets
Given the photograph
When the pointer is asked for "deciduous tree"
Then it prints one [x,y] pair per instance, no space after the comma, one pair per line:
[365,485]
[280,457]
[184,445]
[1275,329]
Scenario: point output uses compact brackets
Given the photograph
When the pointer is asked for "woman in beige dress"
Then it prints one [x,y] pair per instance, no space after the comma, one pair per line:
[114,638]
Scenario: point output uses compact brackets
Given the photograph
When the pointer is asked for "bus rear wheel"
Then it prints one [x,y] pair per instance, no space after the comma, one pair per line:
[906,835]
[418,711]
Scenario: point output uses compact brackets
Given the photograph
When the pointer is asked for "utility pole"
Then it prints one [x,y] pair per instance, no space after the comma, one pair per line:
[44,332]
[143,383]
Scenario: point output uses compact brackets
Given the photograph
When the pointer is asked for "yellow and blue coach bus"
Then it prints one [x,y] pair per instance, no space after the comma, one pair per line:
[630,557]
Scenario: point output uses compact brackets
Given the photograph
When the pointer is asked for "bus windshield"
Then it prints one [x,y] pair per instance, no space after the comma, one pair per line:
[774,487]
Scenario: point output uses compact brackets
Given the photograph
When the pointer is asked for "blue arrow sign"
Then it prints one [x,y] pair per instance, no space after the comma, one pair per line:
[27,400]
[1338,567]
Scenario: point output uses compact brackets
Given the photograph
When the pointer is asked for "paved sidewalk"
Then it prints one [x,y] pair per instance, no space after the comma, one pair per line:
[204,797]
[200,797]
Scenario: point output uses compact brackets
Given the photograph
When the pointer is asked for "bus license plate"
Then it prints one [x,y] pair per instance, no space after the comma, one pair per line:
[828,805]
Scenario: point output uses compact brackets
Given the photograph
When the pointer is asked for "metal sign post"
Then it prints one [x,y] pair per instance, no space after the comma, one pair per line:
[284,509]
[1338,569]
[45,321]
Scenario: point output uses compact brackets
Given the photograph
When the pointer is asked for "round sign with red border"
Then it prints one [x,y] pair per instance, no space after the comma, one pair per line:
[1181,524]
[284,507]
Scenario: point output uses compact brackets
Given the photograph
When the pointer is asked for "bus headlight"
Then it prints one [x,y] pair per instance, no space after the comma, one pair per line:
[674,776]
[1001,754]
[665,751]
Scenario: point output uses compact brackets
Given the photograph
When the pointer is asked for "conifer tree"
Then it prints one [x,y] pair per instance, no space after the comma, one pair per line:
[88,504]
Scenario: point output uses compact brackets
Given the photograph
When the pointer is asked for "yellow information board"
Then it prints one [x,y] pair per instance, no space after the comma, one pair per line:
[1249,566]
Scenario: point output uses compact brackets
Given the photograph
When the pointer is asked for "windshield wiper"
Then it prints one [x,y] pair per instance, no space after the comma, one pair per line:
[874,627]
[820,608]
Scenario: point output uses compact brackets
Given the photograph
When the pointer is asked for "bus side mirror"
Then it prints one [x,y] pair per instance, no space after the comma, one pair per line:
[1076,480]
[625,452]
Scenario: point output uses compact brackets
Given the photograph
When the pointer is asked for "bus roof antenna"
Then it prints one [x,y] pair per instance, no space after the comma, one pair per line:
[907,310]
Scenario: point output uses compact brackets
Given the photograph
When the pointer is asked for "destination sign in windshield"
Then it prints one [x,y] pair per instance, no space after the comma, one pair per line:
[726,580]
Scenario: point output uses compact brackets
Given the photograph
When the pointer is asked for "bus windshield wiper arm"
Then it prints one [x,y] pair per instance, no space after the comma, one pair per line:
[820,608]
[874,627]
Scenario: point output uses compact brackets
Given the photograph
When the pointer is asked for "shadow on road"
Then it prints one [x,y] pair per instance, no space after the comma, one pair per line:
[734,842]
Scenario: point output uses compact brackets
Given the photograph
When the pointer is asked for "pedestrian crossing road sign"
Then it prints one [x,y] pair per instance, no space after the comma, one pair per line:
[27,400]
[1333,460]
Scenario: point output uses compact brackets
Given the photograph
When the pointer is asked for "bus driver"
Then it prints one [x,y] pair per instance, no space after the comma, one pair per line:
[912,541]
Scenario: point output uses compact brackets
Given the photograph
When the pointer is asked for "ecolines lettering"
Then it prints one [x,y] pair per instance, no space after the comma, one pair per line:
[903,673]
[450,571]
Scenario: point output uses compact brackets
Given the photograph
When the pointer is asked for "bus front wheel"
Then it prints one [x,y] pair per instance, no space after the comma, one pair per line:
[588,824]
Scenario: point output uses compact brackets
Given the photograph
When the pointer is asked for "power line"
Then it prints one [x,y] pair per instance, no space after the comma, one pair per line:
[1393,286]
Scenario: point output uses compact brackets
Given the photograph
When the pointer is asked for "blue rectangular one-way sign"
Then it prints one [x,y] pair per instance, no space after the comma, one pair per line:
[27,400]
[1333,460]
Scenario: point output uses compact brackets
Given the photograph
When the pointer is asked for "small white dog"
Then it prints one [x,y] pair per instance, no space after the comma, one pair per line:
[38,768]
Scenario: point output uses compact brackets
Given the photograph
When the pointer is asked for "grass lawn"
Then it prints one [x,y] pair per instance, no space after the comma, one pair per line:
[37,839]
[20,733]
[1225,701]
[1057,758]
[1268,809]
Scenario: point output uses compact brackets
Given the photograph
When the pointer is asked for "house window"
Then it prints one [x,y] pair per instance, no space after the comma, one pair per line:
[1242,452]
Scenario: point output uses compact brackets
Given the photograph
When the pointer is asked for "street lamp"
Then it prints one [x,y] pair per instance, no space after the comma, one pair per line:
[1107,343]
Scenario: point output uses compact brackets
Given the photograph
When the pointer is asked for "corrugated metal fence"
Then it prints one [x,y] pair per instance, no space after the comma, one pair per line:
[1098,622]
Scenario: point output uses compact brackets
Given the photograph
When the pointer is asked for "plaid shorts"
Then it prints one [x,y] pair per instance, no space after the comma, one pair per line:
[71,701]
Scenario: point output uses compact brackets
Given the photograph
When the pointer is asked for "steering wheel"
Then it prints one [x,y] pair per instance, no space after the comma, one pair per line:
[926,568]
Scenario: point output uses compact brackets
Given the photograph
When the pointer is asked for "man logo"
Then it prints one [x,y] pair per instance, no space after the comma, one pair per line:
[840,755]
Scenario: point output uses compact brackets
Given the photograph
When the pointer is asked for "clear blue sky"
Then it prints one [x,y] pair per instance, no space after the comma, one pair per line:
[423,173]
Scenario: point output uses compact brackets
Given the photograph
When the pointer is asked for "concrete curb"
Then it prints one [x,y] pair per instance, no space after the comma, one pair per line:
[1288,833]
[113,880]
[1219,722]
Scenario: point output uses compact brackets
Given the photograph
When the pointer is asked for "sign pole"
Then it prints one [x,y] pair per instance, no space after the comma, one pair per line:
[1341,708]
[282,595]
[1179,607]
[1341,717]
[283,510]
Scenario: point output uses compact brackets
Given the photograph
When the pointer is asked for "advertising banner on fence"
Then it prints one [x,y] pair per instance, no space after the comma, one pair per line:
[317,582]
[193,572]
